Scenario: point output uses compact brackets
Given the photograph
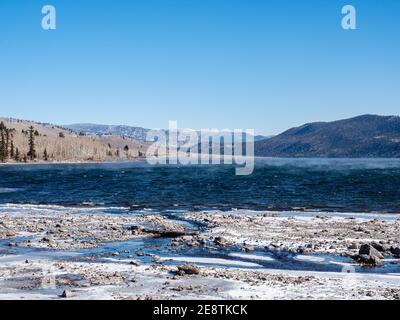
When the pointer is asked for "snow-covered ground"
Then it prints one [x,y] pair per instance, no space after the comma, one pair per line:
[238,256]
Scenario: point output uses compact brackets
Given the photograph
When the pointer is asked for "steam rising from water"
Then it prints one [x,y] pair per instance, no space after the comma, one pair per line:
[331,163]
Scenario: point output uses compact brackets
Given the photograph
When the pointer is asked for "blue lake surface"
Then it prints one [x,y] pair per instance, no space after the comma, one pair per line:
[359,185]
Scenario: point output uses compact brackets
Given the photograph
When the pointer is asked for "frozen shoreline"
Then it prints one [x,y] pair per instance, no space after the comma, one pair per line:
[44,253]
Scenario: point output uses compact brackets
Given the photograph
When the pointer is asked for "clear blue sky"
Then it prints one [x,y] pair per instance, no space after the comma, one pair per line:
[262,64]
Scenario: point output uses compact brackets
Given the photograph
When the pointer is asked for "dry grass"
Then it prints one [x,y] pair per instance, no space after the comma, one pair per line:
[71,146]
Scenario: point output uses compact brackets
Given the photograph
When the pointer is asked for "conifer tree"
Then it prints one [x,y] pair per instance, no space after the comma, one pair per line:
[3,151]
[7,141]
[17,156]
[12,149]
[126,149]
[32,152]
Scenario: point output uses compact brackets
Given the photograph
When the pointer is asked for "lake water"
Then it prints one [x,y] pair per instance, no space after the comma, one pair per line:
[370,185]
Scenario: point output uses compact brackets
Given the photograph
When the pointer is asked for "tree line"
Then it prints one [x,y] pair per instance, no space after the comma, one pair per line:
[8,151]
[27,145]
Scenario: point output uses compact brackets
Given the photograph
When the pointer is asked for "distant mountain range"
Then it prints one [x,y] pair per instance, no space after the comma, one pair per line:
[362,136]
[137,133]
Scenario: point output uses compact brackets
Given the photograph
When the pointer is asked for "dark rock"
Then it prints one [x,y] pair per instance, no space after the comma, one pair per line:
[166,233]
[378,247]
[220,241]
[300,250]
[367,249]
[368,255]
[368,259]
[49,240]
[353,246]
[188,269]
[135,229]
[395,251]
[67,294]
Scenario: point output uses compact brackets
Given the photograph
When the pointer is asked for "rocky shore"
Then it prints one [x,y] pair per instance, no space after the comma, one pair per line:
[152,256]
[365,240]
[67,231]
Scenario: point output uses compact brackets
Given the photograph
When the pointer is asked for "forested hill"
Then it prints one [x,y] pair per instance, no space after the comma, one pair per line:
[362,136]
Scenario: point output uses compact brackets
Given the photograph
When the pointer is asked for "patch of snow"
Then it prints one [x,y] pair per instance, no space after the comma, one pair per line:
[217,261]
[251,256]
